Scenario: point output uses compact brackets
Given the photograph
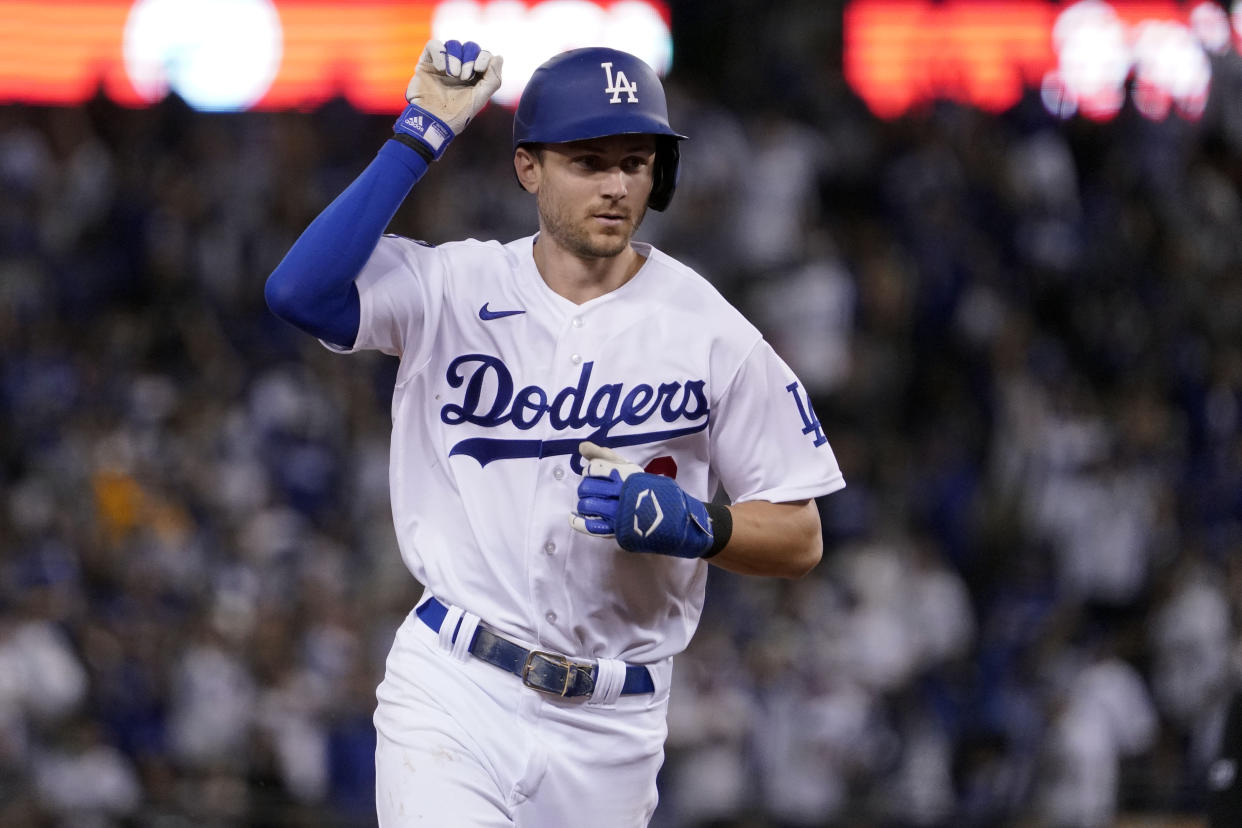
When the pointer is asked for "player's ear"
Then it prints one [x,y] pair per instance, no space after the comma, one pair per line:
[527,164]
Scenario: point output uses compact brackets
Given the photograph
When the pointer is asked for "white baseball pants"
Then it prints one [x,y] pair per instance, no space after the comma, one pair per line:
[463,743]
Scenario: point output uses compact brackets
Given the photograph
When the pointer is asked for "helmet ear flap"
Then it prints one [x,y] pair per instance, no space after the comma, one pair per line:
[664,173]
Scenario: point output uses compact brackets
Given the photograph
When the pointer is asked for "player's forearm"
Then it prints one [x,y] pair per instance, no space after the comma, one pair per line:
[313,286]
[776,539]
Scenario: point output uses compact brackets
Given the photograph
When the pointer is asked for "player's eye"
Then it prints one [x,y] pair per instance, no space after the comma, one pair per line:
[588,162]
[634,163]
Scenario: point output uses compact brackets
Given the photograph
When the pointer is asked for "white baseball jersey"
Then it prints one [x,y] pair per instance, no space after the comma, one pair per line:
[501,378]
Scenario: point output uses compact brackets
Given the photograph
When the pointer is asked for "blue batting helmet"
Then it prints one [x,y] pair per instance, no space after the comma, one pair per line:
[593,93]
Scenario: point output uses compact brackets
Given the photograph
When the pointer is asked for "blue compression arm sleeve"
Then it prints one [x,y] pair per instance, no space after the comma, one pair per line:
[313,286]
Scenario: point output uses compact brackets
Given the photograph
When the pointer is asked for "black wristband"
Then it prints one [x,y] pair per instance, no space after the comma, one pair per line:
[416,145]
[722,527]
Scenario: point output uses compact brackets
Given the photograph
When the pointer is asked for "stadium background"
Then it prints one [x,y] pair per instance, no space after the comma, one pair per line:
[1022,335]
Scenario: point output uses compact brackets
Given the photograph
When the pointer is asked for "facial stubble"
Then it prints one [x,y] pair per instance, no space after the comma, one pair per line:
[573,235]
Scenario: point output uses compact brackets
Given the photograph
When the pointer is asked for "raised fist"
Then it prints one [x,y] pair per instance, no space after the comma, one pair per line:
[452,82]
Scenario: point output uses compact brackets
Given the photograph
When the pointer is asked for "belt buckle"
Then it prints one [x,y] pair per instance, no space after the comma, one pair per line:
[555,659]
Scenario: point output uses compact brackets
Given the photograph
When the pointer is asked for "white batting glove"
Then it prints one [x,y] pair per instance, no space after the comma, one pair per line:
[601,460]
[451,83]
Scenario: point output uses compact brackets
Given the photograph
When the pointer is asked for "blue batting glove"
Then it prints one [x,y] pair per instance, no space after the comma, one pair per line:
[644,512]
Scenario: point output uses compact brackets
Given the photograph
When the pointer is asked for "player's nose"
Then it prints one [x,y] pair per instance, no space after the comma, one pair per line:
[614,185]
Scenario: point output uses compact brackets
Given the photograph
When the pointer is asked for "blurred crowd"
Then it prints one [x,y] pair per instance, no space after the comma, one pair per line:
[1023,337]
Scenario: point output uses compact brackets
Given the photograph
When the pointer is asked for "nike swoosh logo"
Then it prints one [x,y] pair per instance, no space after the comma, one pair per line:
[486,314]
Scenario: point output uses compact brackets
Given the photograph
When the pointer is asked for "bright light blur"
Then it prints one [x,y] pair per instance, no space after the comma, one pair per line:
[1097,51]
[528,35]
[902,54]
[292,54]
[1092,57]
[215,54]
[1211,26]
[1170,62]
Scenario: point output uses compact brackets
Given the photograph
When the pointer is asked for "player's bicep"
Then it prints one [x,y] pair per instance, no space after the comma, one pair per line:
[766,441]
[397,297]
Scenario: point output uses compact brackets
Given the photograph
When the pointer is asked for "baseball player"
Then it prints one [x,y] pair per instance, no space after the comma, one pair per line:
[567,407]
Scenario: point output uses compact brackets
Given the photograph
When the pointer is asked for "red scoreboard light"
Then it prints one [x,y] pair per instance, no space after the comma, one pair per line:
[1082,56]
[283,54]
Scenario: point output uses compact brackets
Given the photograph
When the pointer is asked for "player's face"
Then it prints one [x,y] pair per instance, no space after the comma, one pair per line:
[592,194]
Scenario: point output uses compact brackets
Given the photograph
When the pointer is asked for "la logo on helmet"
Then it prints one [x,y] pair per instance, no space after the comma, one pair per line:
[618,85]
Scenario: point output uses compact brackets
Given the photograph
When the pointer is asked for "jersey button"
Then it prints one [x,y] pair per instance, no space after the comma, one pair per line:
[549,547]
[550,617]
[558,472]
[575,359]
[577,322]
